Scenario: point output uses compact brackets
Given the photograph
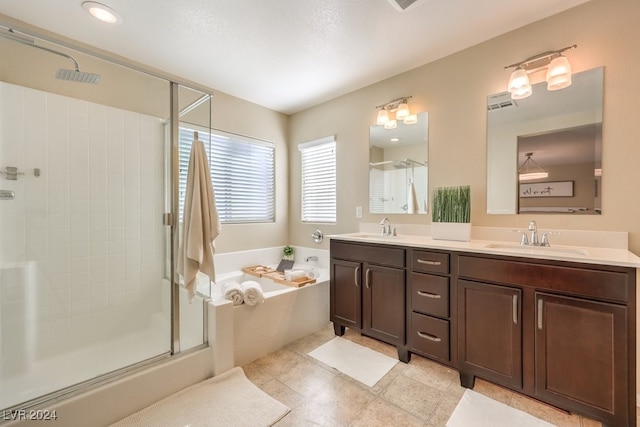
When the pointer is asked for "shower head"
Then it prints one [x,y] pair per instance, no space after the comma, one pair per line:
[62,74]
[77,76]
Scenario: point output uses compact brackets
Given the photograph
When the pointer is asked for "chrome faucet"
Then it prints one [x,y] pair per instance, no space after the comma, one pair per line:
[386,227]
[533,236]
[532,239]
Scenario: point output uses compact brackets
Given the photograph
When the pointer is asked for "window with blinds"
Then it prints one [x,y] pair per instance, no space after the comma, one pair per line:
[242,171]
[319,180]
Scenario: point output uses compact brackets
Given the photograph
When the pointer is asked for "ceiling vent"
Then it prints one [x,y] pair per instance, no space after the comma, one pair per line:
[402,5]
[500,101]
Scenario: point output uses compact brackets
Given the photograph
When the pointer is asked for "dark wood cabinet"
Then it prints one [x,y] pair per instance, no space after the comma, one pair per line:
[368,292]
[581,356]
[384,303]
[430,314]
[490,334]
[346,294]
[561,332]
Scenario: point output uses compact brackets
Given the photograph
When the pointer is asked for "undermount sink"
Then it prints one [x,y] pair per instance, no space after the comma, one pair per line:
[374,236]
[537,249]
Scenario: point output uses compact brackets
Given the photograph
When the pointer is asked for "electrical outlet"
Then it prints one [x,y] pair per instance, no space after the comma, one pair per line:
[358,211]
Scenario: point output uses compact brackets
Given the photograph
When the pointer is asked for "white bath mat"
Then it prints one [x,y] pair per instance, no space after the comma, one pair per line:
[475,409]
[229,399]
[359,362]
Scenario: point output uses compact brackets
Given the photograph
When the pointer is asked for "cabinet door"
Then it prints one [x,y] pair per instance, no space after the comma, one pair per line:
[490,332]
[384,303]
[346,294]
[581,356]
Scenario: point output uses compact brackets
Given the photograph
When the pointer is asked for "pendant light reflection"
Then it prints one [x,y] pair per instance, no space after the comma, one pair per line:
[530,170]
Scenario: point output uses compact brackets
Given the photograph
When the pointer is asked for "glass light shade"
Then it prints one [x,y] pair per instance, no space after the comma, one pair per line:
[383,117]
[518,80]
[411,119]
[102,12]
[403,111]
[559,73]
[522,92]
[391,124]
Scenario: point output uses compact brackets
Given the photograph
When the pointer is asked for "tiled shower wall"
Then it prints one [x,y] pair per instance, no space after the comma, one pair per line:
[82,244]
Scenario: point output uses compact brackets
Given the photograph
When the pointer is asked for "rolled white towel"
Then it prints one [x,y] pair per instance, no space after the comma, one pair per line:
[294,274]
[233,292]
[252,291]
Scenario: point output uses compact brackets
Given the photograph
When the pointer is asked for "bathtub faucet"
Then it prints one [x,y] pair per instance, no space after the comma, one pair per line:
[311,258]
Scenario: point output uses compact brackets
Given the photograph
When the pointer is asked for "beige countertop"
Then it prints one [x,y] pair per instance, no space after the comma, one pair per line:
[581,254]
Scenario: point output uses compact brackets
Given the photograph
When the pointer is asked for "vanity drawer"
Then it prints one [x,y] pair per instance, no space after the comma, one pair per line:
[590,282]
[430,336]
[373,254]
[430,262]
[430,294]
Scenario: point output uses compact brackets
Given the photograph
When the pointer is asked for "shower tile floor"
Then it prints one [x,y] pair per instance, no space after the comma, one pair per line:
[420,393]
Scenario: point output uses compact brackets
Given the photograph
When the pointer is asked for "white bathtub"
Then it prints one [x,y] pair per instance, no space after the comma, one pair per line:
[240,334]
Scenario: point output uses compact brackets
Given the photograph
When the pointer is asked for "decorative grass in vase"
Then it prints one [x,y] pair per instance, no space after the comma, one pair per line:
[451,213]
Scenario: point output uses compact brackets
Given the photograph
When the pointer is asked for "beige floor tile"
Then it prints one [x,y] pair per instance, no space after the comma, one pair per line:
[306,377]
[431,373]
[545,412]
[493,391]
[310,414]
[586,422]
[282,393]
[412,396]
[381,413]
[443,411]
[311,342]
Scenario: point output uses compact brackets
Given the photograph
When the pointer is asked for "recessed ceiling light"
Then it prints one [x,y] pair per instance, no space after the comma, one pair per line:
[101,12]
[395,139]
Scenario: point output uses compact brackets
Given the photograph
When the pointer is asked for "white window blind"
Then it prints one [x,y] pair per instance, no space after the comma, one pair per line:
[319,180]
[242,171]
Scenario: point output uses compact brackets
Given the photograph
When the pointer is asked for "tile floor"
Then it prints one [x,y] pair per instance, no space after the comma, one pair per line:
[420,393]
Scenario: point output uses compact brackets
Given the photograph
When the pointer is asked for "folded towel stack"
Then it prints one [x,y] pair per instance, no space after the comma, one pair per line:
[252,291]
[233,292]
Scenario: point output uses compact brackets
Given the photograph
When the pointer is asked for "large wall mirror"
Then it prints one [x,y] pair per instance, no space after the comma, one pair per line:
[398,170]
[560,132]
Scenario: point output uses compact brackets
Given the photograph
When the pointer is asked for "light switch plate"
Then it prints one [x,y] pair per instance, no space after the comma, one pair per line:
[358,211]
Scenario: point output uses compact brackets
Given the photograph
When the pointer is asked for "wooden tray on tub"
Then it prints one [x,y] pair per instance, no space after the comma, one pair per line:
[278,277]
[258,270]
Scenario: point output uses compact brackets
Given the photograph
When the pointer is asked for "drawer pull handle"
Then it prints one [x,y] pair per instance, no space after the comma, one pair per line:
[426,261]
[429,337]
[540,303]
[356,274]
[515,309]
[366,277]
[429,295]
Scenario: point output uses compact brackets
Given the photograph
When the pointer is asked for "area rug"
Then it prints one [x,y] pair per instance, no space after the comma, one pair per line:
[359,362]
[475,409]
[229,399]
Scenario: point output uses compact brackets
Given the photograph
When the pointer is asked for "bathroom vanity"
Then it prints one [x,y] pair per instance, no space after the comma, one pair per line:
[558,325]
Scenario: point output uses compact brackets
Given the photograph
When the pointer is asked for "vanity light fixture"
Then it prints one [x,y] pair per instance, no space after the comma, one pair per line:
[530,170]
[400,107]
[558,72]
[102,12]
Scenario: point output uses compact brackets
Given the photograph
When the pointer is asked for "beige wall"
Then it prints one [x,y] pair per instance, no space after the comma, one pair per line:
[453,90]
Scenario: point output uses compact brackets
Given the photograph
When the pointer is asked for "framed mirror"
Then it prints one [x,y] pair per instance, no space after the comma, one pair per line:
[398,168]
[561,132]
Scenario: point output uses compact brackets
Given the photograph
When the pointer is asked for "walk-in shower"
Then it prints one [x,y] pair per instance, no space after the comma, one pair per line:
[86,289]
